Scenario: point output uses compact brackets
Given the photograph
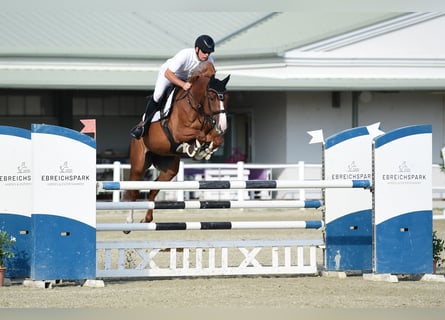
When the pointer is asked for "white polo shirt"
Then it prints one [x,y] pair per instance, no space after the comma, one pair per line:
[182,63]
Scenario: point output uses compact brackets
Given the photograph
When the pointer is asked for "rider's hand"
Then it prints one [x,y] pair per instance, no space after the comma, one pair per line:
[186,86]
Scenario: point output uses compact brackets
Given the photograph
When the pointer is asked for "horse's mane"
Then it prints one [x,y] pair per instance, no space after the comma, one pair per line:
[203,69]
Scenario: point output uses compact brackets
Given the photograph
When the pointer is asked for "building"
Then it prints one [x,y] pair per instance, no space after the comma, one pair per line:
[290,72]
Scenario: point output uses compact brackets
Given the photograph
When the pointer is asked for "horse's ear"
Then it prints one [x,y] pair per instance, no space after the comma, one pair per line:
[193,78]
[226,79]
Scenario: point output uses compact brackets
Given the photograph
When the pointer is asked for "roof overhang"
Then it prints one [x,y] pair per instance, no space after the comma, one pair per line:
[377,55]
[257,74]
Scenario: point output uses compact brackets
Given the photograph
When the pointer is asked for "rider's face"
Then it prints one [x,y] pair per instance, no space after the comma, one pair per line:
[202,56]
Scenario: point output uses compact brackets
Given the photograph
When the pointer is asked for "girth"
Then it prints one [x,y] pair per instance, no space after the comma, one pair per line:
[173,145]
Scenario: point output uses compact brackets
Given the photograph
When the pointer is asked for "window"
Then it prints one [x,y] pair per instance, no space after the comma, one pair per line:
[108,105]
[25,105]
[14,103]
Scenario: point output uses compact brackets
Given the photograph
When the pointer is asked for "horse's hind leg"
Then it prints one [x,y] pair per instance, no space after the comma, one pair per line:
[149,214]
[168,167]
[139,164]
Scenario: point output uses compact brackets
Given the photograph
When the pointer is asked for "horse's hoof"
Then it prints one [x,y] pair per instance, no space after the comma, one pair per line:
[127,231]
[199,156]
[191,153]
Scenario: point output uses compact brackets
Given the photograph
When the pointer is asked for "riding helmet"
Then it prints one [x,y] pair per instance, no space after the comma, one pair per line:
[205,43]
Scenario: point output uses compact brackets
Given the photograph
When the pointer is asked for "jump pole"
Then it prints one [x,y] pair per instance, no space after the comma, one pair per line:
[214,225]
[230,184]
[144,205]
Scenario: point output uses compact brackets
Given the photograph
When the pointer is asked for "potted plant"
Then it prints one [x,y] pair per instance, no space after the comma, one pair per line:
[6,244]
[438,248]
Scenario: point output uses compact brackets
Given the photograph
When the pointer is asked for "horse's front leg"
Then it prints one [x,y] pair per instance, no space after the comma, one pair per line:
[209,148]
[191,149]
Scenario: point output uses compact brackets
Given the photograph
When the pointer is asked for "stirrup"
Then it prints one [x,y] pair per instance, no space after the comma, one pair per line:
[137,132]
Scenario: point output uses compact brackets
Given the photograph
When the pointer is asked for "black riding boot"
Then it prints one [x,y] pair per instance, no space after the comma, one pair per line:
[138,131]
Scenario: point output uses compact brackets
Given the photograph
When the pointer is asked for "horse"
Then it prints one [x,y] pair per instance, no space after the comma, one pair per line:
[193,128]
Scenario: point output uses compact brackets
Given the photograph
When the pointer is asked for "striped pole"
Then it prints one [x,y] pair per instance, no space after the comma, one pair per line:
[216,225]
[144,205]
[230,184]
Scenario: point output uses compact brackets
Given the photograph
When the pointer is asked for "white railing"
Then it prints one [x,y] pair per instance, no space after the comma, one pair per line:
[237,171]
[223,171]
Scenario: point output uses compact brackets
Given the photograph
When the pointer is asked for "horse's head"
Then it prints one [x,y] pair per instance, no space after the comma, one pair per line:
[210,94]
[217,101]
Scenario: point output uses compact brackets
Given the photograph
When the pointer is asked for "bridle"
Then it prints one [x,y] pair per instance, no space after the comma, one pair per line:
[197,105]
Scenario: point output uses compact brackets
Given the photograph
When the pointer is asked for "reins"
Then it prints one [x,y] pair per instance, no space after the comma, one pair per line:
[207,118]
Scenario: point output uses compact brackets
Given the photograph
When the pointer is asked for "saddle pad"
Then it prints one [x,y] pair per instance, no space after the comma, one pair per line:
[165,110]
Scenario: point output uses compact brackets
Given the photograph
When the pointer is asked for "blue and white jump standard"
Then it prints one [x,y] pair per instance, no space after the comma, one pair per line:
[348,212]
[383,225]
[402,201]
[64,213]
[15,188]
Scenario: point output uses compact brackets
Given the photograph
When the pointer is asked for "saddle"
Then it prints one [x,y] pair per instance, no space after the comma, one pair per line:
[162,114]
[165,103]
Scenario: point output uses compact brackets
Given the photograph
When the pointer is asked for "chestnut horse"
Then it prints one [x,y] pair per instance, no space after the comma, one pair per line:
[193,128]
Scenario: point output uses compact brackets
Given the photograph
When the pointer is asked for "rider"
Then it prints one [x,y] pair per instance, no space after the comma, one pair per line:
[175,71]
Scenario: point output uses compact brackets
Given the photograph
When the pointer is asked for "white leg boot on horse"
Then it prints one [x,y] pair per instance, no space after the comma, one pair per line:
[205,152]
[197,151]
[189,149]
[129,219]
[214,140]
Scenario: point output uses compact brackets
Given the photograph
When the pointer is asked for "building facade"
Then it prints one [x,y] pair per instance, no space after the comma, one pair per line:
[289,74]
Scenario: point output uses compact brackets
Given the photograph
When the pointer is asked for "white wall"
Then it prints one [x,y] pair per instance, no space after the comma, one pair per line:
[268,126]
[420,40]
[309,111]
[395,110]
